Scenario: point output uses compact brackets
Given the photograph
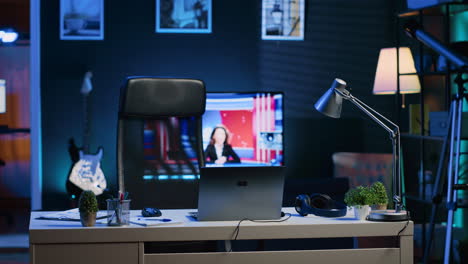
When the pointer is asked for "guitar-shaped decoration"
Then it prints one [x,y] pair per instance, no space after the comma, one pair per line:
[86,173]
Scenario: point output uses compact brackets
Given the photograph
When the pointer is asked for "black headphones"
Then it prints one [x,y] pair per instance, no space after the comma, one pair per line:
[319,205]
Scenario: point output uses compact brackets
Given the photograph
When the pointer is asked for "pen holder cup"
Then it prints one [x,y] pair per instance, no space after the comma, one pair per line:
[118,212]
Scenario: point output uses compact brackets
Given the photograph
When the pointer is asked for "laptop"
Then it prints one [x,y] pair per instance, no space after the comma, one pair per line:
[236,193]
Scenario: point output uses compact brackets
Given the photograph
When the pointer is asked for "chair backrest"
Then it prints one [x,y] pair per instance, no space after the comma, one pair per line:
[364,168]
[165,102]
[147,97]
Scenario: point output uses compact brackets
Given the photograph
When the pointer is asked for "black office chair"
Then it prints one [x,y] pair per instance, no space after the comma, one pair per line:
[143,101]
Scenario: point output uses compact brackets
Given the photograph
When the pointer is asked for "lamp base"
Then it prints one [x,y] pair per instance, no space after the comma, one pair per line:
[388,216]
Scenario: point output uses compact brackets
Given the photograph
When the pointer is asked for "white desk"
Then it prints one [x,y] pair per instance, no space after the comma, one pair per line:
[68,242]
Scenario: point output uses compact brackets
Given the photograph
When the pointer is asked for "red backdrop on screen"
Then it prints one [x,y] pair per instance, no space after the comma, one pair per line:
[239,124]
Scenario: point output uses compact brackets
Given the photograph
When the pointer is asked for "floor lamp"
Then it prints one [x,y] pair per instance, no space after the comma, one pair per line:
[392,78]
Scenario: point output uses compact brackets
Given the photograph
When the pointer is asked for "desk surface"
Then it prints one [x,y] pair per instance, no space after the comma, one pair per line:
[49,231]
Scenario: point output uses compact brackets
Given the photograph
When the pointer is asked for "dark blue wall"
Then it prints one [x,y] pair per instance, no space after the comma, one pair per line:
[342,40]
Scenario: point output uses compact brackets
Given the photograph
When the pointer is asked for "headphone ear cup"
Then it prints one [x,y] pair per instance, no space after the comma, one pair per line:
[320,201]
[302,204]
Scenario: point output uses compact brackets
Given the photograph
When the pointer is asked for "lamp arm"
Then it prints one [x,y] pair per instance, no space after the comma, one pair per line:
[377,113]
[395,137]
[367,110]
[397,171]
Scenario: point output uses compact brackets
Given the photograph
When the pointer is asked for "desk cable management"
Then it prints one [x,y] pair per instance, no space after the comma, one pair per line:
[288,215]
[406,225]
[236,231]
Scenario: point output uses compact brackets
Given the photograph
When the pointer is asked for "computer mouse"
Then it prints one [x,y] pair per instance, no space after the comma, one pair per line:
[150,212]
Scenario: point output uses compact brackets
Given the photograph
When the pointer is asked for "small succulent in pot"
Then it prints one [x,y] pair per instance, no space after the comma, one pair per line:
[380,196]
[359,198]
[88,208]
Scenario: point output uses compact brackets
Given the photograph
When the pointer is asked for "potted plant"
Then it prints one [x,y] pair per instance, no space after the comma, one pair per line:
[380,196]
[88,207]
[75,22]
[359,198]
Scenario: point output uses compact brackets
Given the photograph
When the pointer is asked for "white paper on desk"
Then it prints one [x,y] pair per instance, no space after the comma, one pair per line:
[69,215]
[148,222]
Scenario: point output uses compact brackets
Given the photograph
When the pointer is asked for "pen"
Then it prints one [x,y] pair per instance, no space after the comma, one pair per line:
[156,224]
[121,197]
[155,219]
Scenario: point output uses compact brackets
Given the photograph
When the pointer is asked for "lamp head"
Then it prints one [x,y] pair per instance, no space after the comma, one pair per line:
[330,102]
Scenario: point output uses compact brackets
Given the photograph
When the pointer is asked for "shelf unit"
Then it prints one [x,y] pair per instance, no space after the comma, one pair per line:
[443,11]
[436,10]
[439,16]
[422,137]
[437,73]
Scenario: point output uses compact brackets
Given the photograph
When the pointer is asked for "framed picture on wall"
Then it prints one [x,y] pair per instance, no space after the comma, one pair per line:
[81,19]
[183,16]
[283,19]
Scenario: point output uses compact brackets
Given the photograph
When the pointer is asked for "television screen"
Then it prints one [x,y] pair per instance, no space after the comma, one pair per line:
[239,129]
[243,129]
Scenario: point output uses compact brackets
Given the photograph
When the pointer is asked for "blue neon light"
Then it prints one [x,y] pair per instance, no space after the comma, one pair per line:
[148,177]
[188,177]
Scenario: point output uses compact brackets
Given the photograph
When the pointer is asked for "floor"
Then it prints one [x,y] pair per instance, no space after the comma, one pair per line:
[14,241]
[14,238]
[14,258]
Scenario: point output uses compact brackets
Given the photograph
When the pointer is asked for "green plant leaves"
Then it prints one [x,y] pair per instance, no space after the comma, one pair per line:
[380,193]
[88,202]
[363,195]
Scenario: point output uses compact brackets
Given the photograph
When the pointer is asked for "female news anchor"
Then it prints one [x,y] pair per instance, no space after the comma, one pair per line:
[219,151]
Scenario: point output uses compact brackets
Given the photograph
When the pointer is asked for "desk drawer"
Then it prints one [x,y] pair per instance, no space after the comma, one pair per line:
[125,253]
[362,256]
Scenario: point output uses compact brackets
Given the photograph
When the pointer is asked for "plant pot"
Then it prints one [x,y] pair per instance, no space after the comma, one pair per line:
[361,211]
[75,24]
[379,207]
[88,218]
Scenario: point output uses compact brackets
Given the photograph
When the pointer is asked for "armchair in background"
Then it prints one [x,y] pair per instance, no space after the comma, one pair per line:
[364,168]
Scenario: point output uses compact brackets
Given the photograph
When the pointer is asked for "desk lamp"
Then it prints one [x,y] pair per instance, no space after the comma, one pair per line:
[330,104]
